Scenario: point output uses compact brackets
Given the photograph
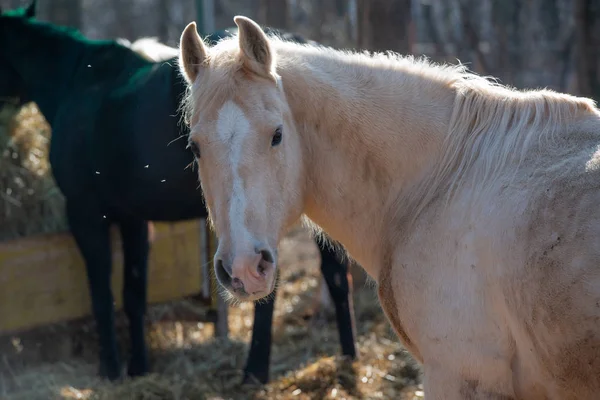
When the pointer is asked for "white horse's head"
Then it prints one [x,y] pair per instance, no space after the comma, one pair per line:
[248,152]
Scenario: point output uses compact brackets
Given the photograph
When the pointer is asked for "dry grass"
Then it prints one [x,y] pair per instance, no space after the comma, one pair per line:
[189,363]
[30,202]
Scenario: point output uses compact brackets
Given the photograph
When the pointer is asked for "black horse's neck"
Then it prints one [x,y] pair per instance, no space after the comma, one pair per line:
[55,63]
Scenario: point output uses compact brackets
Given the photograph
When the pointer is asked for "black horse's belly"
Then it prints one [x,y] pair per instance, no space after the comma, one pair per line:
[153,194]
[149,179]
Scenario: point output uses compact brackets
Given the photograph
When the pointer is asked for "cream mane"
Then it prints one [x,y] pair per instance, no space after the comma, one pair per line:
[494,122]
[495,125]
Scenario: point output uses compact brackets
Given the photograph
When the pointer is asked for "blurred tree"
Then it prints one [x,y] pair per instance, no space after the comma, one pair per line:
[523,43]
[164,20]
[124,26]
[205,16]
[67,13]
[587,42]
[323,10]
[274,13]
[385,25]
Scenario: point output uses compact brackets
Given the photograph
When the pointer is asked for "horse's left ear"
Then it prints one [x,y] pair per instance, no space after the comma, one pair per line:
[192,53]
[256,48]
[31,9]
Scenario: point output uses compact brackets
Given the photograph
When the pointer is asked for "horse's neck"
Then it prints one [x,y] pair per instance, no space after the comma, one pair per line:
[82,65]
[47,82]
[368,135]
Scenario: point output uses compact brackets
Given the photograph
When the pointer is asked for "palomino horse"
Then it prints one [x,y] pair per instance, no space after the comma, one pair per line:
[119,155]
[475,207]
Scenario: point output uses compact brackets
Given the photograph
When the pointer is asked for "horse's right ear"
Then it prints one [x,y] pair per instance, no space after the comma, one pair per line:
[192,53]
[30,10]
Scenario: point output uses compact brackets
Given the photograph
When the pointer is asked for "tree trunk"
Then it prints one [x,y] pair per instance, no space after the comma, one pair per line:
[322,11]
[585,43]
[363,31]
[274,14]
[165,20]
[123,17]
[385,25]
[67,13]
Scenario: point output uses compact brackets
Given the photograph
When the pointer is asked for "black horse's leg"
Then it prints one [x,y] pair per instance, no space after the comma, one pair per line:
[257,363]
[134,234]
[336,276]
[90,228]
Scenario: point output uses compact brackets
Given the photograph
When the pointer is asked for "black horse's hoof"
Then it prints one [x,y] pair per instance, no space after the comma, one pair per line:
[255,379]
[111,371]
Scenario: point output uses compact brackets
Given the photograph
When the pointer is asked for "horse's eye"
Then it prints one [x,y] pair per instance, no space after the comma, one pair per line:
[277,136]
[195,149]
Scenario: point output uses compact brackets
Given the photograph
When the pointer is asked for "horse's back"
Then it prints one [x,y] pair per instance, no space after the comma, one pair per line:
[153,50]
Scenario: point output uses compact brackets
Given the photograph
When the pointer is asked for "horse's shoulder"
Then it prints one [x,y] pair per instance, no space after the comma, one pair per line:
[562,193]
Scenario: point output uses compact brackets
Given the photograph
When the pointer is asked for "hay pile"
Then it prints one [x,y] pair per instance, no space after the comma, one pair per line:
[30,202]
[189,363]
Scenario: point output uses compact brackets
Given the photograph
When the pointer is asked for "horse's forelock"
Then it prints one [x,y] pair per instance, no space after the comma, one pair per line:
[212,87]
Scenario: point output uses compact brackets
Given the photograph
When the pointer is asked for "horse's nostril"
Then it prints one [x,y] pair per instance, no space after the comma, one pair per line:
[237,284]
[223,275]
[266,261]
[267,256]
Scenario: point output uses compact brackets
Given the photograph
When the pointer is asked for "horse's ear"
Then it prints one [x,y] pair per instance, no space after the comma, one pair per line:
[255,46]
[192,53]
[31,9]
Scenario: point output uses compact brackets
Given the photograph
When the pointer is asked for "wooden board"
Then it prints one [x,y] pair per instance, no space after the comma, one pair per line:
[43,279]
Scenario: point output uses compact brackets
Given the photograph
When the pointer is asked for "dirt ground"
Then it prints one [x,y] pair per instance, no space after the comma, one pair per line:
[189,363]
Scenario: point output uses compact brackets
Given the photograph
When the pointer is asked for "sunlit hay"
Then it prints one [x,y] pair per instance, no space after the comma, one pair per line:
[30,201]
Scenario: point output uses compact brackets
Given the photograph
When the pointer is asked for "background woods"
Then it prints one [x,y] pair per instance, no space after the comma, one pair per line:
[552,43]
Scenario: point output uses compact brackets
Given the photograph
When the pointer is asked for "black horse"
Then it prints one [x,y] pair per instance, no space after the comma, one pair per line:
[117,156]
